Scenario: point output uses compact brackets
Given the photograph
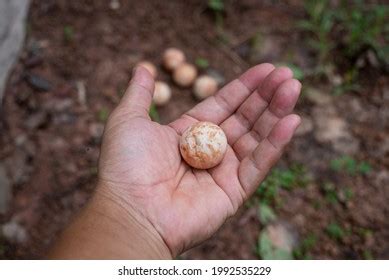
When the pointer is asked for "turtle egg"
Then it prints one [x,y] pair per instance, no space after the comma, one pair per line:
[185,74]
[204,87]
[203,145]
[162,93]
[172,58]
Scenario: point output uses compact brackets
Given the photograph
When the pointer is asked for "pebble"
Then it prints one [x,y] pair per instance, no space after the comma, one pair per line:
[282,235]
[36,120]
[38,83]
[332,129]
[114,4]
[14,232]
[317,96]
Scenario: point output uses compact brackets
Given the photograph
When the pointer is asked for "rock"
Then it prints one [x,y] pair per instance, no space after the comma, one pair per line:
[12,19]
[305,127]
[58,105]
[283,236]
[330,128]
[371,57]
[300,220]
[38,83]
[33,61]
[5,190]
[317,97]
[114,4]
[64,118]
[14,232]
[336,80]
[36,120]
[58,144]
[25,144]
[19,170]
[96,130]
[216,75]
[382,178]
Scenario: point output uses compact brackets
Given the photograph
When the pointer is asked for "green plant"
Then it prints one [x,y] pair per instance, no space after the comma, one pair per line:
[298,73]
[351,166]
[348,194]
[218,7]
[330,193]
[288,179]
[367,255]
[103,114]
[267,251]
[267,194]
[340,34]
[202,63]
[319,24]
[266,213]
[302,252]
[68,33]
[154,115]
[335,231]
[333,196]
[364,26]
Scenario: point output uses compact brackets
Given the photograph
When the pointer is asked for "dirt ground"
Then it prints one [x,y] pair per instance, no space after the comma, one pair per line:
[50,134]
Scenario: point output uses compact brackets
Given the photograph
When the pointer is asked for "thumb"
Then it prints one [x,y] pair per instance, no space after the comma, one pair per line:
[139,94]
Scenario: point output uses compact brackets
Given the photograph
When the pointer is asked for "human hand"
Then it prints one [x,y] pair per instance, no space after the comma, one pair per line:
[141,169]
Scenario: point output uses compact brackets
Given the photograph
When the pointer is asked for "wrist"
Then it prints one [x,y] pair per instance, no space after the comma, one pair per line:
[137,236]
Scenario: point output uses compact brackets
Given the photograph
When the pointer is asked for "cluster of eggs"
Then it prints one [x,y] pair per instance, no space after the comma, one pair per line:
[184,75]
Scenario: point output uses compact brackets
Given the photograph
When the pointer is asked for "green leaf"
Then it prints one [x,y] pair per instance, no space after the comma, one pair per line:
[202,63]
[348,193]
[266,213]
[306,25]
[103,114]
[154,115]
[336,164]
[216,5]
[335,231]
[68,33]
[265,246]
[364,167]
[280,254]
[298,73]
[309,242]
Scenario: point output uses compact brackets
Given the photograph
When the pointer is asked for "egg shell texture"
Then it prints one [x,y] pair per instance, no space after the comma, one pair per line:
[203,145]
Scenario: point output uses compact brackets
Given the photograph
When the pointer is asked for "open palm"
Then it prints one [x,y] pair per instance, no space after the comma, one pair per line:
[141,164]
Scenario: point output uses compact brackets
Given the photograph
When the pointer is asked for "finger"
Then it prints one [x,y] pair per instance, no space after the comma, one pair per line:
[220,106]
[242,121]
[282,104]
[229,165]
[139,94]
[255,166]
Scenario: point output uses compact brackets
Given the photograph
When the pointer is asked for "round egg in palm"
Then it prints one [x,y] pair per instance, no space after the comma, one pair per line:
[203,145]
